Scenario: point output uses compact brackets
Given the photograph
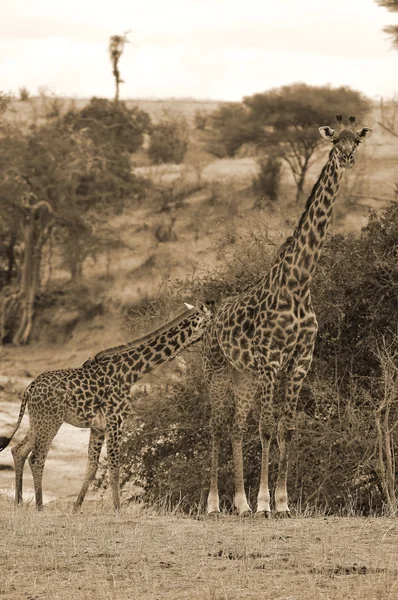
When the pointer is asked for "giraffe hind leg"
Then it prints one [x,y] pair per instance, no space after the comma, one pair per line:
[20,453]
[37,460]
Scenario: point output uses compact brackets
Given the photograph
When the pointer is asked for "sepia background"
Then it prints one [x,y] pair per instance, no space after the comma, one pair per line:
[152,154]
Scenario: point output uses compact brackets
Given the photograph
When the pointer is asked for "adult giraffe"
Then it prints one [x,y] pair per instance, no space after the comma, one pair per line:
[268,327]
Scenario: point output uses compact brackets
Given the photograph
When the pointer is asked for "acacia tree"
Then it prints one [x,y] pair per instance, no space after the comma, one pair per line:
[283,123]
[116,48]
[231,126]
[287,119]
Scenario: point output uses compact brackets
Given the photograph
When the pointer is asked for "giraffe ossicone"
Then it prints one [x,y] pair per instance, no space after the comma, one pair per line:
[270,328]
[96,396]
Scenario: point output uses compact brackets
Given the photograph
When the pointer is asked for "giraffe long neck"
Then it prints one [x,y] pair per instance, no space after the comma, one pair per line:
[128,363]
[303,252]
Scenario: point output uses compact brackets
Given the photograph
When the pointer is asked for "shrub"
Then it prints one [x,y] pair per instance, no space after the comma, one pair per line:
[111,124]
[169,142]
[335,462]
[24,94]
[267,182]
[200,119]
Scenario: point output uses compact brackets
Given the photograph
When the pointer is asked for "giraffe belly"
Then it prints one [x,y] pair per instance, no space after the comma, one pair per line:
[73,419]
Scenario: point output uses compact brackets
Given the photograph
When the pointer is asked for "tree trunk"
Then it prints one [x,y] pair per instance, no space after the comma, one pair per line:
[17,305]
[11,258]
[300,181]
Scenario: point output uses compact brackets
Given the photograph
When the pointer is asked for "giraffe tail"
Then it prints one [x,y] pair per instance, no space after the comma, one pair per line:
[4,441]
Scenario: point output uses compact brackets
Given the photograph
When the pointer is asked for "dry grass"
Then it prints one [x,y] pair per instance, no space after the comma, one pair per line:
[140,554]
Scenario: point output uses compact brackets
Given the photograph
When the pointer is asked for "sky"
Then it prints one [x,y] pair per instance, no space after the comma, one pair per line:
[205,49]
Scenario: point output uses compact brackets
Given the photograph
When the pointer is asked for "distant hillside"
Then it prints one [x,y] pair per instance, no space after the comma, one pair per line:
[36,108]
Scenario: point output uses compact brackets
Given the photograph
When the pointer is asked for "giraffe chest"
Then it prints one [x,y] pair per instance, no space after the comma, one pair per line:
[273,333]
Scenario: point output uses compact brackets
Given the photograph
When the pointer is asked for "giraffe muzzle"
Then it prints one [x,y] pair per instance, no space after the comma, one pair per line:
[347,161]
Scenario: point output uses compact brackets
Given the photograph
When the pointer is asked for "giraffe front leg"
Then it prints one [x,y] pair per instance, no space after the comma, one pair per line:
[218,382]
[94,450]
[286,429]
[240,499]
[113,435]
[266,427]
[213,501]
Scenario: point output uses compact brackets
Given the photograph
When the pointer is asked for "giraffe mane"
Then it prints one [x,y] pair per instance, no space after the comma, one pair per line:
[309,202]
[145,338]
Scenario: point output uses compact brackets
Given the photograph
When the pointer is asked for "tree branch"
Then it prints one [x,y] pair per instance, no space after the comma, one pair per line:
[394,133]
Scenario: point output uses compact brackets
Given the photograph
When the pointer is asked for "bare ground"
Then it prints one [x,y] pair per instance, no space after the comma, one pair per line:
[140,554]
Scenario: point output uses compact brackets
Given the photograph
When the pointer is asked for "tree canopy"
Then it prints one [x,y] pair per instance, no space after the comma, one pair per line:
[57,183]
[284,122]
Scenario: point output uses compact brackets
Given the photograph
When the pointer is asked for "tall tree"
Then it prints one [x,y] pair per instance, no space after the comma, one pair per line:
[392,6]
[55,178]
[284,122]
[287,121]
[116,48]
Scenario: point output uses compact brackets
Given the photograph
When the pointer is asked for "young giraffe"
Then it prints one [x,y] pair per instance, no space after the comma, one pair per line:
[268,327]
[96,395]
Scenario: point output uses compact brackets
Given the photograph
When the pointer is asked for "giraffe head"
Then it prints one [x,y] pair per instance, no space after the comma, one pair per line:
[204,316]
[345,140]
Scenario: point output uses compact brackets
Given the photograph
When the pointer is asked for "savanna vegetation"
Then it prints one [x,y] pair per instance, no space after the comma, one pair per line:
[68,178]
[343,457]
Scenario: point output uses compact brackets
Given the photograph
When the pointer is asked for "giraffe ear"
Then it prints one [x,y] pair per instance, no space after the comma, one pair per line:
[203,307]
[365,132]
[326,132]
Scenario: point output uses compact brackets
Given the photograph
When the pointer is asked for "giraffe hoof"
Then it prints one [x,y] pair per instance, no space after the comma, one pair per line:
[245,514]
[214,514]
[283,514]
[263,514]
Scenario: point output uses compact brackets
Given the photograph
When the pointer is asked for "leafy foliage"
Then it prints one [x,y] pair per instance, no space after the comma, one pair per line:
[391,5]
[334,461]
[284,122]
[169,141]
[24,94]
[268,179]
[110,124]
[58,182]
[232,126]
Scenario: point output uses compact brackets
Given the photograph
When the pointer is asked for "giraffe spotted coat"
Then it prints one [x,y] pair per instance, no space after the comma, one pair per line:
[96,395]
